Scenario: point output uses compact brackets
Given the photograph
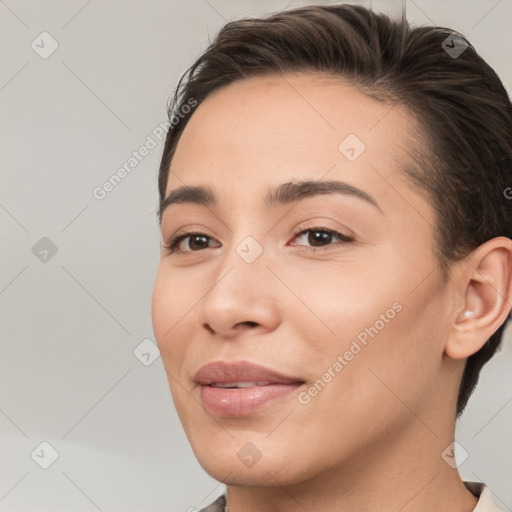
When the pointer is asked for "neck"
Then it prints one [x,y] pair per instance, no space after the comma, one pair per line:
[405,473]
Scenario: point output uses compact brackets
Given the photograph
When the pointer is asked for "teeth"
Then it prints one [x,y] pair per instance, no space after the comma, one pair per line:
[247,384]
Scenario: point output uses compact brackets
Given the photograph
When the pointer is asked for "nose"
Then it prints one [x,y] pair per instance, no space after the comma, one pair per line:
[242,298]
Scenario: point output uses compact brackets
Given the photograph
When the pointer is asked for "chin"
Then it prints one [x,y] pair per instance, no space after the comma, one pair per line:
[243,464]
[263,474]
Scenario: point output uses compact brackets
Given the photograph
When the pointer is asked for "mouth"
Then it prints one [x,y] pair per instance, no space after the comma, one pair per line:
[236,385]
[241,388]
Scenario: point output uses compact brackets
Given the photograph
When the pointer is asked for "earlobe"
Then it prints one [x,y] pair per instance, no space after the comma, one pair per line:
[487,297]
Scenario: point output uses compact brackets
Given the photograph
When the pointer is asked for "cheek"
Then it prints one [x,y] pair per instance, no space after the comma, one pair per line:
[362,324]
[340,301]
[171,308]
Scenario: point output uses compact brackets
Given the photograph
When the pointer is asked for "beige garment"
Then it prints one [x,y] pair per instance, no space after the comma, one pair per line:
[485,503]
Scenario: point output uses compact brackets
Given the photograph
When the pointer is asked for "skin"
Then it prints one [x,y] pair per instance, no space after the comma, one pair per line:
[372,438]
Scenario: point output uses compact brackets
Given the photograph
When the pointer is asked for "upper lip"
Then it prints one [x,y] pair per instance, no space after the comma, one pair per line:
[223,372]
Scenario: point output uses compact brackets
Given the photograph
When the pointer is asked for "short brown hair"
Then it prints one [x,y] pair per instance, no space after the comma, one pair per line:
[461,105]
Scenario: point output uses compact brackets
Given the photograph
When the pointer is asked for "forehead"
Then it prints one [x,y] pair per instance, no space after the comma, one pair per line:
[273,129]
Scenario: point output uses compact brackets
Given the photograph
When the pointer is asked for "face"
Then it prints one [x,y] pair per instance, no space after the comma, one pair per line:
[300,305]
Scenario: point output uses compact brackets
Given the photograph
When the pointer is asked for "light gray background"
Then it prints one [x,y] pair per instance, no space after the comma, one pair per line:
[70,325]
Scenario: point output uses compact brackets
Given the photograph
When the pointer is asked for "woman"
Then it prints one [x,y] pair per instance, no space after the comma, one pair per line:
[336,259]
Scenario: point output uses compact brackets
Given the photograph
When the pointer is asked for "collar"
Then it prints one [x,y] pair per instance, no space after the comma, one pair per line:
[485,501]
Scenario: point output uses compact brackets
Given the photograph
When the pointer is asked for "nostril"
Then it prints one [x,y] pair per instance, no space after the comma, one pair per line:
[208,328]
[250,324]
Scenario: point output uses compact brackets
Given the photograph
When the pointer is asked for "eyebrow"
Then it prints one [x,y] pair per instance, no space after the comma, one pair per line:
[283,194]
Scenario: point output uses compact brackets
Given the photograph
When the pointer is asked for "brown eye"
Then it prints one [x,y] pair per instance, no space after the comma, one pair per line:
[198,242]
[190,242]
[320,237]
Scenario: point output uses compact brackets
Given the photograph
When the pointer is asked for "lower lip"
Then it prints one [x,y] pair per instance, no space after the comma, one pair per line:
[243,401]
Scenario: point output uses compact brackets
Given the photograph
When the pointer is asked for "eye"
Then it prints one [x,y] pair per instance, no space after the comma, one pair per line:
[320,237]
[190,242]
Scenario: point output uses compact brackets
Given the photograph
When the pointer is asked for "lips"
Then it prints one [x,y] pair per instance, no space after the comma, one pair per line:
[241,388]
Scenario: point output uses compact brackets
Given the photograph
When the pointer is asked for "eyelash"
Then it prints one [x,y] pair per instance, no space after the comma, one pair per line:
[172,246]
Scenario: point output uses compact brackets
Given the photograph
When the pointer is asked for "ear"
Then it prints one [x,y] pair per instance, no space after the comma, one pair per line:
[486,297]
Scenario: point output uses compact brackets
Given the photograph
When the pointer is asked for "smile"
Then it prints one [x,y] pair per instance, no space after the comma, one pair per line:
[241,388]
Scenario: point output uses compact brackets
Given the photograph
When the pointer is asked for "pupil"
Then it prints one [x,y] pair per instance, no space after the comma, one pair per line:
[198,242]
[317,238]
